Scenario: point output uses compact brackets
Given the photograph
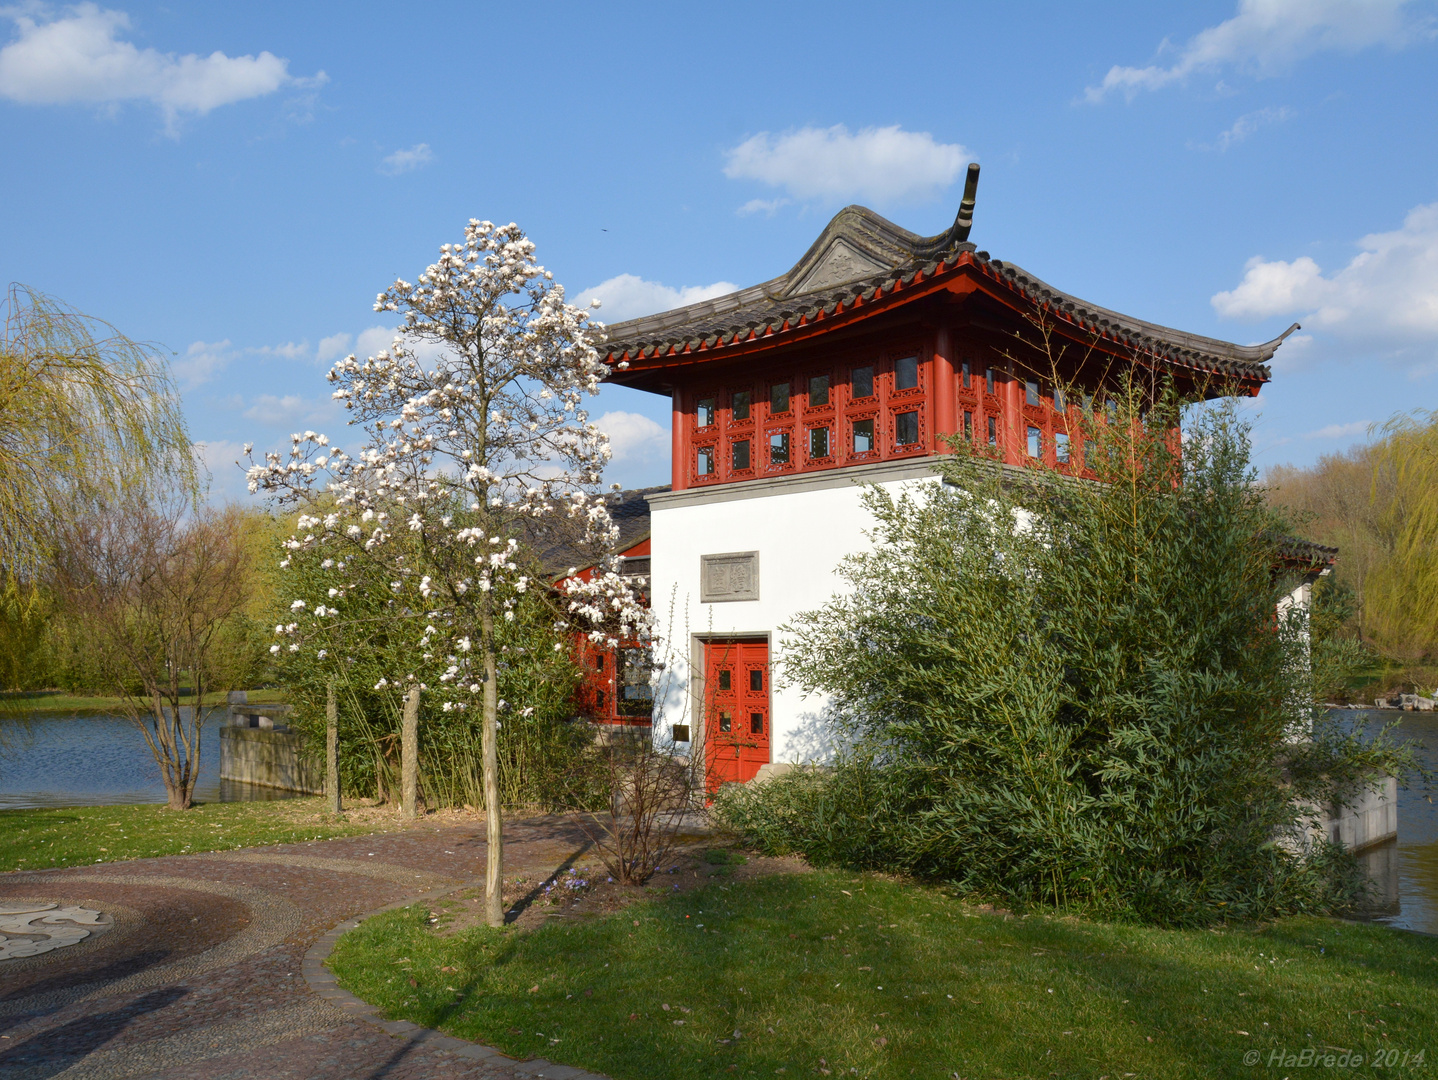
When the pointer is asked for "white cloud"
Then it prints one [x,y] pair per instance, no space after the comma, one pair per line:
[292,409]
[1272,288]
[403,161]
[628,296]
[290,350]
[1269,36]
[879,164]
[221,459]
[202,361]
[371,341]
[1249,123]
[378,339]
[332,347]
[1388,292]
[1340,431]
[78,58]
[633,438]
[767,207]
[1297,351]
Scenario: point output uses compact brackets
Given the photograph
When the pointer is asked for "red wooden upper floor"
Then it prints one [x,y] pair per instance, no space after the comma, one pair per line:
[879,342]
[881,400]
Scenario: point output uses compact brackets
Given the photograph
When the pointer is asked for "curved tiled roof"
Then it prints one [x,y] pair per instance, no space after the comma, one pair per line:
[1296,552]
[891,260]
[630,513]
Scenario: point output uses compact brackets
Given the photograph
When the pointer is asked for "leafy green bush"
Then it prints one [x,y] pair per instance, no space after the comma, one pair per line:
[545,758]
[1076,693]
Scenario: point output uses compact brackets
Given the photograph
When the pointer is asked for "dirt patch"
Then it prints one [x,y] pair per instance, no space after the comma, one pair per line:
[586,889]
[383,817]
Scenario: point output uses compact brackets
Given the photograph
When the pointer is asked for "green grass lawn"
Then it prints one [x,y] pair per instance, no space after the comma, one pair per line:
[53,702]
[847,975]
[76,836]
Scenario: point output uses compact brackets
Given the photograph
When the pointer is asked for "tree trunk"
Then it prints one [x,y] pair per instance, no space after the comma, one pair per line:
[166,750]
[192,746]
[332,751]
[409,757]
[489,748]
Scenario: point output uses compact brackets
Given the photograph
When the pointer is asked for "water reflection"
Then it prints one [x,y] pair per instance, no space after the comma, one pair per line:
[102,761]
[1405,871]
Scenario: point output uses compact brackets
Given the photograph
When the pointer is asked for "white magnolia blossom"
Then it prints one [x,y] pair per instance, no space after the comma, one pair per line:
[481,441]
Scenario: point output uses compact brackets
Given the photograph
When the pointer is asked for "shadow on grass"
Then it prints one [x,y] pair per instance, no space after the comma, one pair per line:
[25,816]
[525,902]
[1020,996]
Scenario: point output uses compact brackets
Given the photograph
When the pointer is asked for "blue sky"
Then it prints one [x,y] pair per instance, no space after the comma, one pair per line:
[236,182]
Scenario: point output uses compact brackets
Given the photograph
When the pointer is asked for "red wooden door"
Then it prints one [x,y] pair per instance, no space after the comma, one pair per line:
[736,717]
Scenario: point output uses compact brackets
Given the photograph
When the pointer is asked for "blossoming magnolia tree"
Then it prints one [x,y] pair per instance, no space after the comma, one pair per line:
[476,441]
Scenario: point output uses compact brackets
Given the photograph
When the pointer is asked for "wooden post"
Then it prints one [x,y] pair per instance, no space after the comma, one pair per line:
[1013,438]
[409,756]
[332,751]
[678,434]
[945,393]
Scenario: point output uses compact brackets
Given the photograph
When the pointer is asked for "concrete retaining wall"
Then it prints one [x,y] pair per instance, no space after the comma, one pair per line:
[1371,819]
[269,758]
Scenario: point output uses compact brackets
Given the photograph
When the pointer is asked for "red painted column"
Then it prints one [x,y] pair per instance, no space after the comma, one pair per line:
[679,466]
[945,393]
[1014,435]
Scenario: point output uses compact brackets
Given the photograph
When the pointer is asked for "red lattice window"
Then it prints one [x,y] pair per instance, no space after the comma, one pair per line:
[820,442]
[706,411]
[863,436]
[781,399]
[704,463]
[780,453]
[908,429]
[819,392]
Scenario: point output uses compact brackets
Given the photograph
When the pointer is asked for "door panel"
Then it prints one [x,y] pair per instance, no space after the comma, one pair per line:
[737,710]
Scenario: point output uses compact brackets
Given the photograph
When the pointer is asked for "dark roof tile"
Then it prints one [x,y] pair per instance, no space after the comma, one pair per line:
[879,258]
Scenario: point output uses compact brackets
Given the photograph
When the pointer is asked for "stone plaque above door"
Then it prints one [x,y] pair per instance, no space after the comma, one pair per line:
[731,576]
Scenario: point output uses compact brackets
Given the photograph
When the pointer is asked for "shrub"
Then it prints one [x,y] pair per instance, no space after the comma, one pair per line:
[1076,692]
[545,757]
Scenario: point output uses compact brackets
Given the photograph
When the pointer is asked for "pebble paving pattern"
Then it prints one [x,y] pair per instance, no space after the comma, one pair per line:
[215,969]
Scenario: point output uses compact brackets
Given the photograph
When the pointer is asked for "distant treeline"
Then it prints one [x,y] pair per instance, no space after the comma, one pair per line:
[44,646]
[1378,503]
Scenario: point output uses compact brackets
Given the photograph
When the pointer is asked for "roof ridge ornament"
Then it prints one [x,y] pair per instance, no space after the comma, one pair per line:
[965,221]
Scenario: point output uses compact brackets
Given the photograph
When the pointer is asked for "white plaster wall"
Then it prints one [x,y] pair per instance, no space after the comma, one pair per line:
[1300,599]
[801,536]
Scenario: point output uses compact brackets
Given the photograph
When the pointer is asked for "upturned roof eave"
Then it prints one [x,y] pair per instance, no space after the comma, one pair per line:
[672,340]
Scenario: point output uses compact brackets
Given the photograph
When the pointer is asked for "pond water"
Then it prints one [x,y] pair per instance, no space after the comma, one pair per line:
[1406,870]
[101,761]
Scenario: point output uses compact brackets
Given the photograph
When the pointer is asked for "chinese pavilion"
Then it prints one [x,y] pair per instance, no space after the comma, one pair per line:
[850,369]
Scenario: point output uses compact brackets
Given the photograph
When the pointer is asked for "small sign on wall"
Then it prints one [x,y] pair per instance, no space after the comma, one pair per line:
[731,576]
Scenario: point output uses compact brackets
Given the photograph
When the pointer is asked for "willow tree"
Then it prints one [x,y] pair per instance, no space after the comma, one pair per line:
[1406,587]
[86,413]
[87,417]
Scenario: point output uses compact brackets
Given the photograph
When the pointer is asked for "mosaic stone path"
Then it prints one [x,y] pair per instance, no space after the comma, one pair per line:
[193,967]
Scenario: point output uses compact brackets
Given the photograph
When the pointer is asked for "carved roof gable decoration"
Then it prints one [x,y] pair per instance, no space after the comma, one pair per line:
[860,258]
[840,262]
[858,243]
